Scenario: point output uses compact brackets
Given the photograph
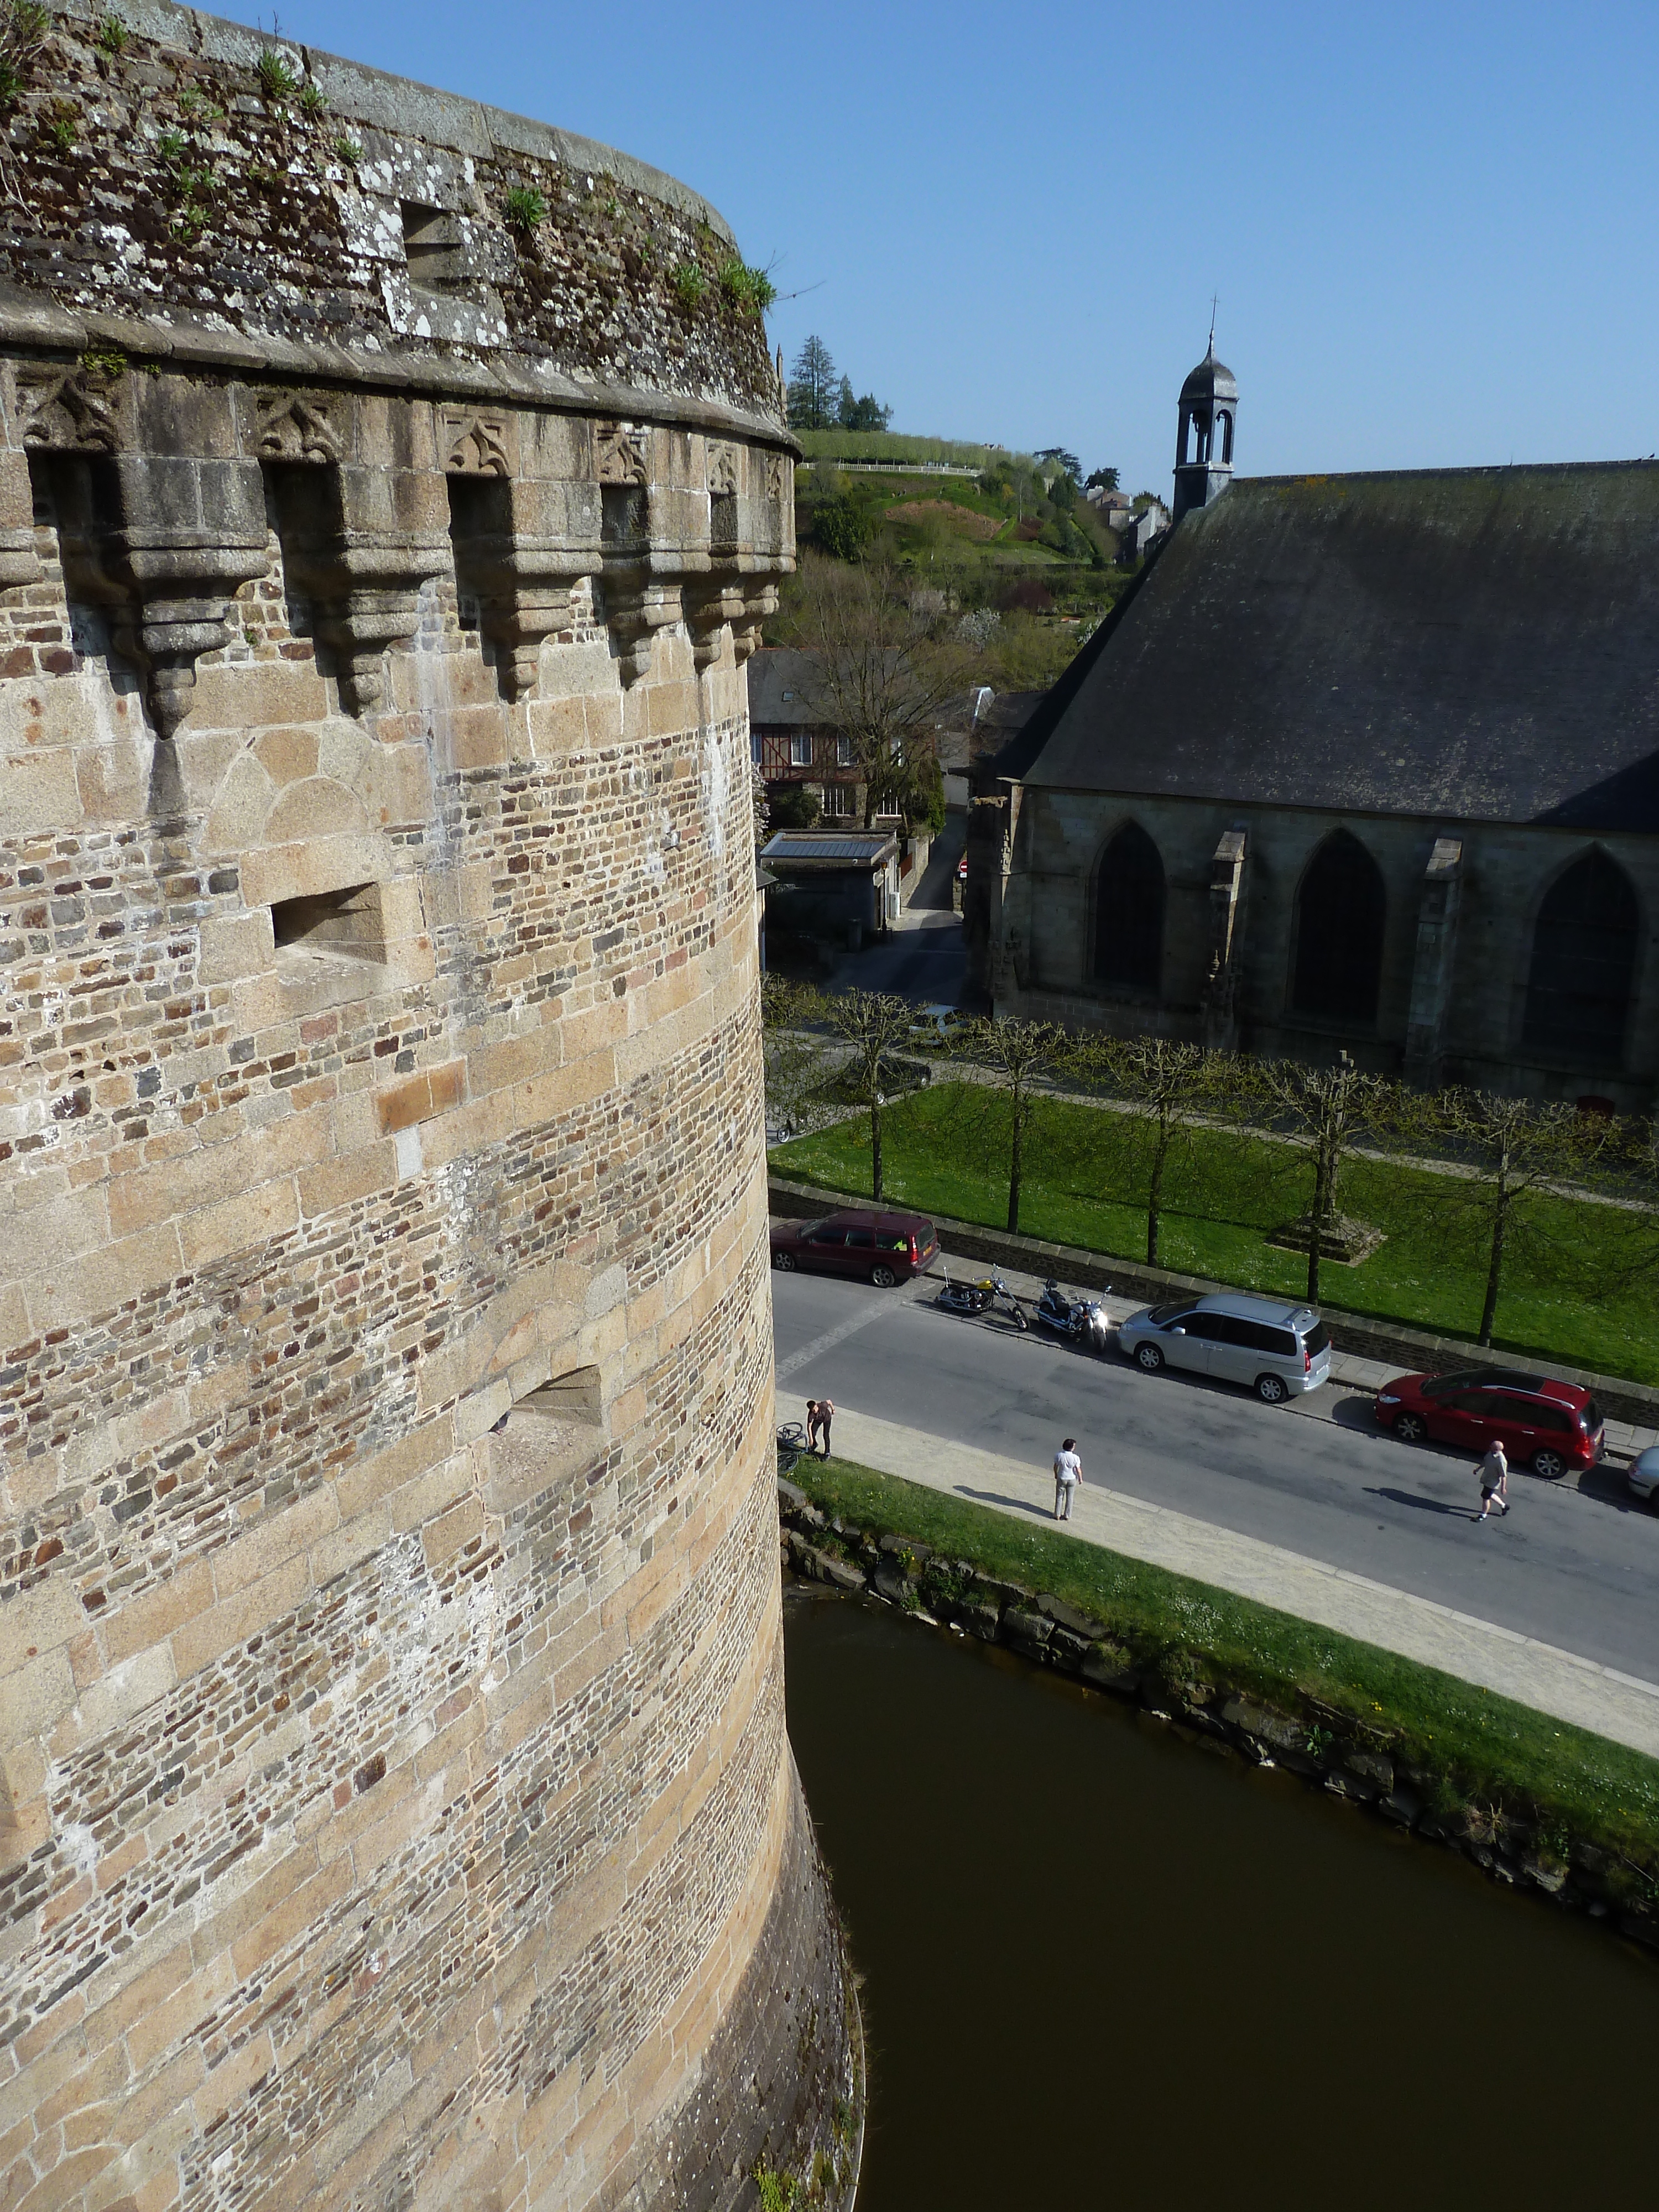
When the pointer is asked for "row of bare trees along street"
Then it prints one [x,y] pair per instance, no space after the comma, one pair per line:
[830,1055]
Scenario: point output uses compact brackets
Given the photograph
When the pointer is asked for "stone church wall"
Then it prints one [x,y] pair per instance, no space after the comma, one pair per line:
[1042,934]
[396,1807]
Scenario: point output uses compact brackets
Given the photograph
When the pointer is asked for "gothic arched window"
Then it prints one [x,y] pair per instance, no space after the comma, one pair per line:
[1129,911]
[1583,955]
[1338,933]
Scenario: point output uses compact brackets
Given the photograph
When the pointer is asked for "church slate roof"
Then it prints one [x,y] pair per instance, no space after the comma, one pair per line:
[1480,644]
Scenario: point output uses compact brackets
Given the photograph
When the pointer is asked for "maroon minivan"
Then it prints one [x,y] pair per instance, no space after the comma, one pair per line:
[883,1249]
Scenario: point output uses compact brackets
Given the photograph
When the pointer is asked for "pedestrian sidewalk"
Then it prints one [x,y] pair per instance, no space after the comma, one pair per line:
[1591,1696]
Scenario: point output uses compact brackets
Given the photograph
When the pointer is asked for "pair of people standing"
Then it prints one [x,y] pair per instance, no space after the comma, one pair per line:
[820,1411]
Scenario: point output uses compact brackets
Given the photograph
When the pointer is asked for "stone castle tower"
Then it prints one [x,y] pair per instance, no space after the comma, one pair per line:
[396,1807]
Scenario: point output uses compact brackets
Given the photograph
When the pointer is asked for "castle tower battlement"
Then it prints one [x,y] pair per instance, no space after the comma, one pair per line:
[395,1804]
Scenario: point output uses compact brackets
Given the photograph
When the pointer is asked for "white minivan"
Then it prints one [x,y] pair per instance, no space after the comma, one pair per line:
[1278,1350]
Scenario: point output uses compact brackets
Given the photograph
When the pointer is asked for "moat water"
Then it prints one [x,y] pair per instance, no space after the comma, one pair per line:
[1102,1967]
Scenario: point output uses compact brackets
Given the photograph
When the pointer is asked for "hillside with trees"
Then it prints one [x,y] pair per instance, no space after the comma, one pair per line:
[1004,544]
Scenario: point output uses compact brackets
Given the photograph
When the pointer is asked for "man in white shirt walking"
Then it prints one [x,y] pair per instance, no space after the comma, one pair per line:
[1068,1473]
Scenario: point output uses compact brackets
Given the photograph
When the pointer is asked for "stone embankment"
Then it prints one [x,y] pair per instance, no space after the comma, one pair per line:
[1325,1747]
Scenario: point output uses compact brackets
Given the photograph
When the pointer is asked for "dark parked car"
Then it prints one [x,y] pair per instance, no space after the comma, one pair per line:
[1542,1424]
[878,1248]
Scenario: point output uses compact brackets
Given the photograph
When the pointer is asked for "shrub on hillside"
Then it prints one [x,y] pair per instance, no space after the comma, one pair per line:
[841,527]
[794,806]
[1028,596]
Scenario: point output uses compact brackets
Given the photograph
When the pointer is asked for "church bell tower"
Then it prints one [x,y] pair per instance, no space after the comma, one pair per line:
[1204,444]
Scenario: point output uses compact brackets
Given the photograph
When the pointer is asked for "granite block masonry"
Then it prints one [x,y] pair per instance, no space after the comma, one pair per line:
[395,1804]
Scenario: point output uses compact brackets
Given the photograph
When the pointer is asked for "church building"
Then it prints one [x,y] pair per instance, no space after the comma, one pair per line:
[1366,762]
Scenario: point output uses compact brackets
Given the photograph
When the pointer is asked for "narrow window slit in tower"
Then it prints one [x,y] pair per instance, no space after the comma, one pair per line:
[481,541]
[572,1397]
[303,513]
[327,929]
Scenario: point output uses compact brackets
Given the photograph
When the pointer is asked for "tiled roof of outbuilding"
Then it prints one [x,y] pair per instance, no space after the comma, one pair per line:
[848,848]
[1472,643]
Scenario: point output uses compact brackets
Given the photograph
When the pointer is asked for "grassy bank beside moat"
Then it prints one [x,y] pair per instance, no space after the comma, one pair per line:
[1535,1801]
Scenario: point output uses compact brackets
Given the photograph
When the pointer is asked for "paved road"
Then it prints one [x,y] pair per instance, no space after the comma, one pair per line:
[925,958]
[1577,1566]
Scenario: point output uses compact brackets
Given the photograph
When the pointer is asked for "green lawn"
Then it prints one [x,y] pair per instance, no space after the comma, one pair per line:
[1488,1748]
[1581,1286]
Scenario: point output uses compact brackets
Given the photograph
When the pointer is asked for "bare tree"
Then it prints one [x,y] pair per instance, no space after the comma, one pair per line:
[882,676]
[1509,1149]
[1170,1081]
[796,1059]
[1332,1107]
[1019,1054]
[874,1024]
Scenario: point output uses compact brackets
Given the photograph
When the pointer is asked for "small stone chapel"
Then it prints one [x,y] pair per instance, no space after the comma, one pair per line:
[1366,762]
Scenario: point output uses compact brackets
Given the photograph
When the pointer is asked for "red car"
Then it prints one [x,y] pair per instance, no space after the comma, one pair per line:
[1541,1423]
[883,1249]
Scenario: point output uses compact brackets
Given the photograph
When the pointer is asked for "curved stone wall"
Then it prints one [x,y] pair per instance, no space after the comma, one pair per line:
[214,178]
[398,1810]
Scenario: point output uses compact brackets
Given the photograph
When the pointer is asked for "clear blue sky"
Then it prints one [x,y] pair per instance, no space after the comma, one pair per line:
[1433,228]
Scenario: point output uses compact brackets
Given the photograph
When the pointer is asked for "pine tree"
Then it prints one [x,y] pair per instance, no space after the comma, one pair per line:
[812,392]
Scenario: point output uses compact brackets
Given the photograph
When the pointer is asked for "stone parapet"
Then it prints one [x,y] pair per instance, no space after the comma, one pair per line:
[250,196]
[192,518]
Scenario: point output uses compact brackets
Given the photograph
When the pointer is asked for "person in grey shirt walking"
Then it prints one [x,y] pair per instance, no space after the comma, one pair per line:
[1494,1479]
[1068,1473]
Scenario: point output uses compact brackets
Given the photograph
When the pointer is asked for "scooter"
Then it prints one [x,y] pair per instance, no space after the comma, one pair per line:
[991,1294]
[1079,1320]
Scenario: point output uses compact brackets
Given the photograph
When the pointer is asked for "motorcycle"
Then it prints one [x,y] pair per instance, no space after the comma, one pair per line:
[1079,1320]
[991,1294]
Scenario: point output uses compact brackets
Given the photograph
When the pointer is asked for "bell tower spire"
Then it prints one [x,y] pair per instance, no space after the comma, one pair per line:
[1203,443]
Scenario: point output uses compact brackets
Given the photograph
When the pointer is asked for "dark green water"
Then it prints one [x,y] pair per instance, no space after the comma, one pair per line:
[1104,1968]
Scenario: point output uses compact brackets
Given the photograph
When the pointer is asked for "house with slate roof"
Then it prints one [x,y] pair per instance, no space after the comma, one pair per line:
[792,738]
[1366,762]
